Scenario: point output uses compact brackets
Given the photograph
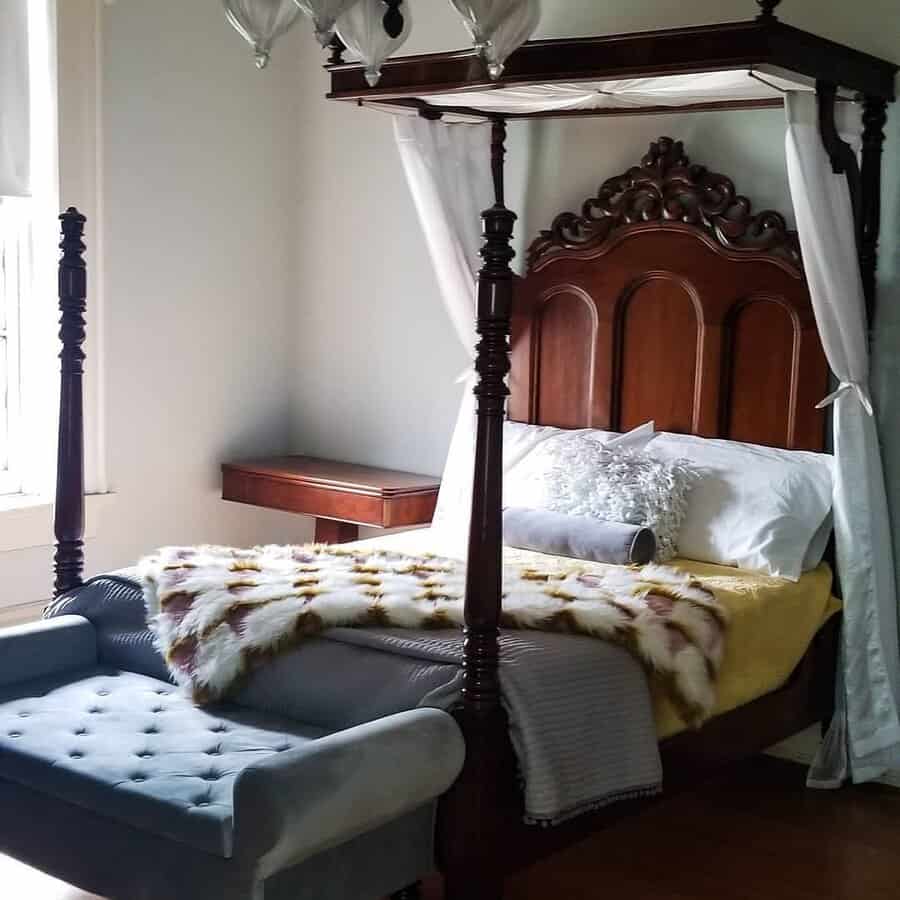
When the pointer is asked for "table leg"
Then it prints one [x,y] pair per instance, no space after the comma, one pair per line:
[328,531]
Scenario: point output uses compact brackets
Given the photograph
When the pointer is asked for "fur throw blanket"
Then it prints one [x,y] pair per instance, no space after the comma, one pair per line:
[217,612]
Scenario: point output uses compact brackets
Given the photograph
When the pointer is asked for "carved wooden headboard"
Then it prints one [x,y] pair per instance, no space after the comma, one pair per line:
[668,299]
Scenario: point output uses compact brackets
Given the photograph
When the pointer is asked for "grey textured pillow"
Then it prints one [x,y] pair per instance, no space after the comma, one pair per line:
[578,536]
[587,479]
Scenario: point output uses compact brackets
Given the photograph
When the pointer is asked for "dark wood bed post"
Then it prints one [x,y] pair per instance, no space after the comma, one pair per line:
[843,157]
[470,854]
[69,512]
[864,181]
[874,120]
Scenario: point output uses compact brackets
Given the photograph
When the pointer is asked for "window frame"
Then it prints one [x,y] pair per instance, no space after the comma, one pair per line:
[75,62]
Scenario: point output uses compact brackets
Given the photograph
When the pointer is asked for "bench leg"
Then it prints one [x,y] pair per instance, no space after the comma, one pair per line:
[413,892]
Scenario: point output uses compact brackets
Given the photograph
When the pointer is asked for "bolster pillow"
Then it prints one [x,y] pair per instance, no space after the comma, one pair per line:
[578,536]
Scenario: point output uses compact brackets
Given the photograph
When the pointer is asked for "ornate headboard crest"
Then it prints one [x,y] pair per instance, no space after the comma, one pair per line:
[667,187]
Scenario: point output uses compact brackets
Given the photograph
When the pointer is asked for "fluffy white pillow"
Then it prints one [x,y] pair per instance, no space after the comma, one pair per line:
[530,451]
[582,477]
[520,441]
[754,507]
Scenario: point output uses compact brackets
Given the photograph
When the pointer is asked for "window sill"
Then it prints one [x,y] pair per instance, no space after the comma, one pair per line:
[27,521]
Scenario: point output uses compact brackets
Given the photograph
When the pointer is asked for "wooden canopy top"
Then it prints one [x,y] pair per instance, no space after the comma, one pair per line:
[765,46]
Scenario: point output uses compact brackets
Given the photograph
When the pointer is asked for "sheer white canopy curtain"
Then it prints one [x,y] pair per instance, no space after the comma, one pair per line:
[15,143]
[864,739]
[448,168]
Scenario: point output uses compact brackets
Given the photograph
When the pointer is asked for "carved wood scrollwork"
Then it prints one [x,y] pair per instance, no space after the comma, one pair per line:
[667,187]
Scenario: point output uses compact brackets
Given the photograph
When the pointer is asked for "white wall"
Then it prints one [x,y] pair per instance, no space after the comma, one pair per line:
[201,214]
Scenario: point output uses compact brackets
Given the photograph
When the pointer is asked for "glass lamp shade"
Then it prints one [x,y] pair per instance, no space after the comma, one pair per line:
[324,14]
[481,17]
[261,22]
[364,30]
[498,27]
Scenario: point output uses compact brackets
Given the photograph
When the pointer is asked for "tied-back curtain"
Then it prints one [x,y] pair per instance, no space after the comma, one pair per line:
[448,169]
[864,739]
[15,144]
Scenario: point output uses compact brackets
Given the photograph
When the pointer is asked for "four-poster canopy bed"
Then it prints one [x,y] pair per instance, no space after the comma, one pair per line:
[668,251]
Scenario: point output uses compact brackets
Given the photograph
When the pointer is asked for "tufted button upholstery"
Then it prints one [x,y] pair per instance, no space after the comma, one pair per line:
[125,760]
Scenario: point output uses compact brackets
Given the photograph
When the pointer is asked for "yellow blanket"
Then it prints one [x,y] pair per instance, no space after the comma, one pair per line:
[772,624]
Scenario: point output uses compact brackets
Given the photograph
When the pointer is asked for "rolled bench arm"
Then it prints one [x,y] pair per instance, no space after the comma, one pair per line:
[307,800]
[46,648]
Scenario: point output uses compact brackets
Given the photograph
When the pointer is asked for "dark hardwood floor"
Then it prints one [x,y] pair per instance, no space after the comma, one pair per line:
[753,834]
[756,833]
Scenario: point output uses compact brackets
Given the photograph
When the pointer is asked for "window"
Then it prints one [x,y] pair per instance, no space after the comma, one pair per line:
[57,91]
[27,252]
[15,273]
[50,77]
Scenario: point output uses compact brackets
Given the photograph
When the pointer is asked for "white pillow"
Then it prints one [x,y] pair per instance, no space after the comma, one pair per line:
[586,478]
[819,544]
[754,507]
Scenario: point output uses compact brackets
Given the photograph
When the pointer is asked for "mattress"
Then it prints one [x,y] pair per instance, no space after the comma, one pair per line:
[773,620]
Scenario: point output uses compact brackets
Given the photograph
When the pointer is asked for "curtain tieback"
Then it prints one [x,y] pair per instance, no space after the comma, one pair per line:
[845,387]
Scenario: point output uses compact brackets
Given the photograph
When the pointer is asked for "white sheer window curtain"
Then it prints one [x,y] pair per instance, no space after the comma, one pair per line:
[15,161]
[448,168]
[864,739]
[28,207]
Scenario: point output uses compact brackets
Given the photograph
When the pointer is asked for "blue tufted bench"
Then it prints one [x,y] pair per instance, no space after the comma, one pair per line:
[112,779]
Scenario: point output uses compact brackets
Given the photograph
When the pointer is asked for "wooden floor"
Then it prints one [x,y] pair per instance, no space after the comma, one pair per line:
[755,834]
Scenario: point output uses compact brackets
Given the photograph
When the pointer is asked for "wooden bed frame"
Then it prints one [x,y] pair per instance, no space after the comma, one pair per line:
[667,299]
[654,303]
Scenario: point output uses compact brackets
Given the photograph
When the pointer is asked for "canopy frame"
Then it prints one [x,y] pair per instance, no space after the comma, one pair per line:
[764,45]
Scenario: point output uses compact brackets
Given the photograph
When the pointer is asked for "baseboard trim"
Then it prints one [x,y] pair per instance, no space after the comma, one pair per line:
[21,613]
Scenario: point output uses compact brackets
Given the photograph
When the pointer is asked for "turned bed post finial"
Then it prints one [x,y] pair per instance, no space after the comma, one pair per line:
[394,20]
[69,512]
[471,859]
[874,119]
[337,48]
[498,158]
[767,8]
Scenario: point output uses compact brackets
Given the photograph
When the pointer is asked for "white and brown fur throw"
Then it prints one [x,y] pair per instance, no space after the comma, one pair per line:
[217,612]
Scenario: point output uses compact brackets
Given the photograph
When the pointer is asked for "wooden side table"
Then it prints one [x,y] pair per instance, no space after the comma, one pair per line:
[341,496]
